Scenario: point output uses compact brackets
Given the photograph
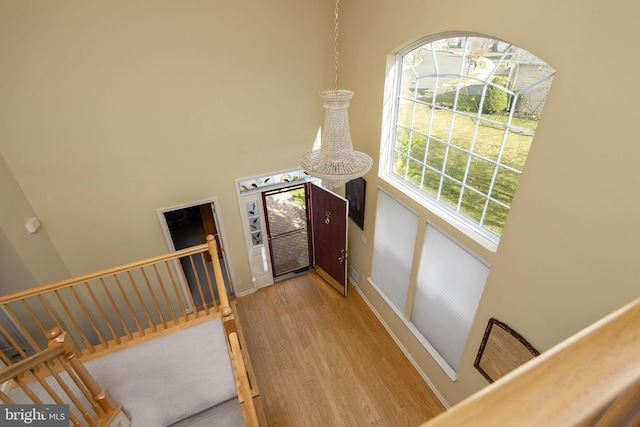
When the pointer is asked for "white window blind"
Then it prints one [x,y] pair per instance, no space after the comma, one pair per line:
[395,236]
[450,283]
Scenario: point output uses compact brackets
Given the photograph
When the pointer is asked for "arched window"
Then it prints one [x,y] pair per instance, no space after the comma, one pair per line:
[465,112]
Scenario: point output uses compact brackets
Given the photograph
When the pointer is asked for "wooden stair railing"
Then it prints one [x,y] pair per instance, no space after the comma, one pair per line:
[110,308]
[113,308]
[89,404]
[245,397]
[244,351]
[590,379]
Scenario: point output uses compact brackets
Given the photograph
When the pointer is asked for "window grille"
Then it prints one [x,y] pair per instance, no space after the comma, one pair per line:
[466,111]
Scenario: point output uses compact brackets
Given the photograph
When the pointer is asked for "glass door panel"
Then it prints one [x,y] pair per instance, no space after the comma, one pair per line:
[287,228]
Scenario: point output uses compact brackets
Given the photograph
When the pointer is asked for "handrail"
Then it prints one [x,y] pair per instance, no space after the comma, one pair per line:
[29,363]
[58,338]
[590,379]
[111,307]
[102,273]
[245,396]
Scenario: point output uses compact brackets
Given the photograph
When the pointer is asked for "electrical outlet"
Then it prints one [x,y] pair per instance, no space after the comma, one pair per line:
[353,274]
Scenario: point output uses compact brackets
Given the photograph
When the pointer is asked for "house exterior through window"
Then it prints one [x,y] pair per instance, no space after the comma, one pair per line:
[465,112]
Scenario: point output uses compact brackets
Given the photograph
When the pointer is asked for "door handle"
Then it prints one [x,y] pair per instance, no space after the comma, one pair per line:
[342,258]
[327,218]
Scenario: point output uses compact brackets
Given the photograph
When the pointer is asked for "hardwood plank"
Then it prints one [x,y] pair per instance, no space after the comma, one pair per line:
[324,360]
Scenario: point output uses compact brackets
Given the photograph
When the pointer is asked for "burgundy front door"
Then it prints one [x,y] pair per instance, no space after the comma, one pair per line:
[329,224]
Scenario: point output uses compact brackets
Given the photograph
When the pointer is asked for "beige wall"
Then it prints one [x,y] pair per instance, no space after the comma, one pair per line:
[110,110]
[26,260]
[568,253]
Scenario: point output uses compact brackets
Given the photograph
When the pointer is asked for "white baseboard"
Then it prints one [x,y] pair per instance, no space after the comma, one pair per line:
[245,293]
[402,347]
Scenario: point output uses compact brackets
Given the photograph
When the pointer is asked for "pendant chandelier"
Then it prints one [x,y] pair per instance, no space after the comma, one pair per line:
[335,162]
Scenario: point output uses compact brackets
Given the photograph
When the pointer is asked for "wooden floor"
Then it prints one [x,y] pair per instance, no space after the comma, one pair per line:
[324,360]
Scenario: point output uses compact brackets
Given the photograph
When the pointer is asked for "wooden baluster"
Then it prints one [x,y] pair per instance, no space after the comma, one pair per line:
[22,328]
[74,420]
[5,359]
[85,392]
[209,283]
[46,307]
[33,315]
[100,395]
[33,365]
[103,315]
[205,303]
[115,309]
[53,395]
[75,323]
[13,343]
[154,299]
[175,290]
[130,307]
[198,284]
[189,296]
[134,285]
[88,315]
[164,294]
[25,388]
[45,385]
[74,399]
[30,394]
[5,399]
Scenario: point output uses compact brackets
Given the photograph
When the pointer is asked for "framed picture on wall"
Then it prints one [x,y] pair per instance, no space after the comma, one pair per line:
[502,350]
[355,192]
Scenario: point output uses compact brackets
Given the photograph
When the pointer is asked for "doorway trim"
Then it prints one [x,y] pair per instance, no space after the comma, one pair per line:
[249,190]
[222,237]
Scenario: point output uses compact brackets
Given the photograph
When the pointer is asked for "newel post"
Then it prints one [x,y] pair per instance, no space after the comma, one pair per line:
[228,320]
[225,309]
[100,395]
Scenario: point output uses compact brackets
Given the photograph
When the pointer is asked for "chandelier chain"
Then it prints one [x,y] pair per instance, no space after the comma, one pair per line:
[336,162]
[336,45]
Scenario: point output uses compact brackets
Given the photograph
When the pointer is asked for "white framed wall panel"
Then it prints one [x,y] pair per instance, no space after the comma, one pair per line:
[450,282]
[395,235]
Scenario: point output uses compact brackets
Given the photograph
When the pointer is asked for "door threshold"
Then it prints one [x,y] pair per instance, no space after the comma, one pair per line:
[293,274]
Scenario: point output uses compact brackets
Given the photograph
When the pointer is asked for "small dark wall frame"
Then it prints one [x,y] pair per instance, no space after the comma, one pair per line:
[502,350]
[355,192]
